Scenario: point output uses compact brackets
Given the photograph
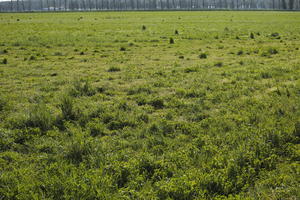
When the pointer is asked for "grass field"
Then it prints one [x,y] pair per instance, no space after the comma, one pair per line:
[150,105]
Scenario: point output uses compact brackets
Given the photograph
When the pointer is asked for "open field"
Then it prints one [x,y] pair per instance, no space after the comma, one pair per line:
[150,105]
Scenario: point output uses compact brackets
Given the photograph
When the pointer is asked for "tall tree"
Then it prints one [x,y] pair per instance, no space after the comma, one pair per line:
[23,5]
[83,5]
[18,5]
[283,4]
[291,4]
[225,4]
[41,4]
[131,4]
[114,5]
[48,6]
[29,5]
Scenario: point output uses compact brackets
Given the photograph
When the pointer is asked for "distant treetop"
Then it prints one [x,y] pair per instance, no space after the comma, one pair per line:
[121,5]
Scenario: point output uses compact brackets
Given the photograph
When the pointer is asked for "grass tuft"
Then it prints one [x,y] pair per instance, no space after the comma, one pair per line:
[171,41]
[114,69]
[39,116]
[272,51]
[203,56]
[218,64]
[82,88]
[4,61]
[157,103]
[240,52]
[67,108]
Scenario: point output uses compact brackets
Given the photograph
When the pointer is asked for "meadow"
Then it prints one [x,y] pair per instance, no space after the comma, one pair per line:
[150,105]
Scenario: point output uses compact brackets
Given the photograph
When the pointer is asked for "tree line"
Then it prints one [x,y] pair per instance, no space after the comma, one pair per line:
[103,5]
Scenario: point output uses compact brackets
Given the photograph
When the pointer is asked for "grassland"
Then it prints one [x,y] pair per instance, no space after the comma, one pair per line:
[106,106]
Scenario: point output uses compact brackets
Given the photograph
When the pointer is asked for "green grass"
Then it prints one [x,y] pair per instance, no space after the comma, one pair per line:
[106,106]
